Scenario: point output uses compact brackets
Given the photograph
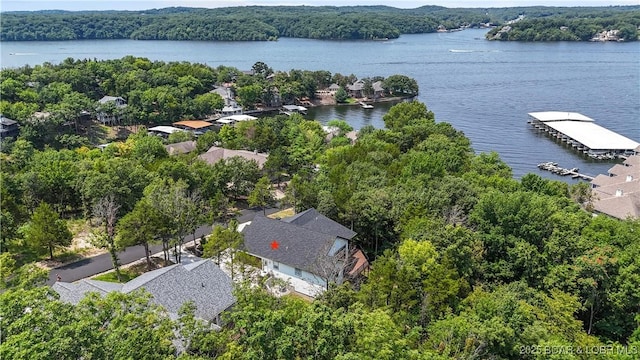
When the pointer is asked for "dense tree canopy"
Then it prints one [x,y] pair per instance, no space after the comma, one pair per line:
[571,26]
[260,23]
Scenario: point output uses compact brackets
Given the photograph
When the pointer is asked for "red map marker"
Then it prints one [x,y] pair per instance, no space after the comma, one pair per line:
[274,245]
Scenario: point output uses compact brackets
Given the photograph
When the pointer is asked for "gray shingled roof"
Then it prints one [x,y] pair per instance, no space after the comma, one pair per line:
[106,99]
[5,121]
[356,86]
[181,147]
[215,154]
[74,292]
[297,246]
[202,282]
[311,219]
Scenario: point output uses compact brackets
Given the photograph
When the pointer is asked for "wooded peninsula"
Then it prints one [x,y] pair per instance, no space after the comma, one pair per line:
[263,23]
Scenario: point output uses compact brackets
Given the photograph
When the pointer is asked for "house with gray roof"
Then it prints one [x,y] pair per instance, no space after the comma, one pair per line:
[201,282]
[8,127]
[184,147]
[356,89]
[215,154]
[107,113]
[308,249]
[378,89]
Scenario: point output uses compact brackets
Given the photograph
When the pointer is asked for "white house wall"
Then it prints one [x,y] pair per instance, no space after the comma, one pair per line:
[306,283]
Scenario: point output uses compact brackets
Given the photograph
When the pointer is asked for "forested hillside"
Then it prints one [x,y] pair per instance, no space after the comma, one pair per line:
[571,26]
[259,23]
[467,262]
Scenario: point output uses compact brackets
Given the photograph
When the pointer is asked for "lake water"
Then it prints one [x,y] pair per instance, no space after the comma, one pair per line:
[483,88]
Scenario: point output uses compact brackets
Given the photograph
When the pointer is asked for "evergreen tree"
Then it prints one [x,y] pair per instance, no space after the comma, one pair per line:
[46,231]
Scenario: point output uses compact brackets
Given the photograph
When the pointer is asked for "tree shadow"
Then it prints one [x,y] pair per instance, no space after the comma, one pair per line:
[96,132]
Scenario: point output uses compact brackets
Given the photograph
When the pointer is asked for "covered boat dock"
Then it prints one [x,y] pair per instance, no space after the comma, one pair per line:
[582,133]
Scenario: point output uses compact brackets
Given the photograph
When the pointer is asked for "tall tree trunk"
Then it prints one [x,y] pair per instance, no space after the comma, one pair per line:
[146,254]
[51,251]
[116,263]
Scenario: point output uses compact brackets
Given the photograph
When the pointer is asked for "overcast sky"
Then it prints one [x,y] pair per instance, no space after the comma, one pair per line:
[13,5]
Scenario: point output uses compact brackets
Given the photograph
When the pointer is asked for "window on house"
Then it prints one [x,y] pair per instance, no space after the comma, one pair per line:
[298,272]
[276,265]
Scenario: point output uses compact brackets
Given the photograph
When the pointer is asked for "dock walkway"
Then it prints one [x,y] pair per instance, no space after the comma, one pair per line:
[555,169]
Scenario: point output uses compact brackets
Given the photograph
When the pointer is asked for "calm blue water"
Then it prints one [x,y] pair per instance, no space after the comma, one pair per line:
[483,88]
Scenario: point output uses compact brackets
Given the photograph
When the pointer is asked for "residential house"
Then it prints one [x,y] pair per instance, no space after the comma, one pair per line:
[618,193]
[215,154]
[308,250]
[331,90]
[8,127]
[109,117]
[202,283]
[378,90]
[230,107]
[184,147]
[356,89]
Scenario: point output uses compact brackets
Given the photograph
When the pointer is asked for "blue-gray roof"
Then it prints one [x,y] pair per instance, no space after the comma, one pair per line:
[297,246]
[202,282]
[311,219]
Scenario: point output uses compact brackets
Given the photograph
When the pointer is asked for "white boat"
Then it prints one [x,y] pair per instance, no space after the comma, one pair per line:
[365,105]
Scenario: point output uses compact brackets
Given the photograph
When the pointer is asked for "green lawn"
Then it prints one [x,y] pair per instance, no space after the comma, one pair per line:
[111,276]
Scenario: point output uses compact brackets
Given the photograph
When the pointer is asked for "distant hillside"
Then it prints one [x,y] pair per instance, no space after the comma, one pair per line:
[260,23]
[611,24]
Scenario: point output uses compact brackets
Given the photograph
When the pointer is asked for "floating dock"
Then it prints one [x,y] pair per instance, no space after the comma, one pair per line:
[555,169]
[583,134]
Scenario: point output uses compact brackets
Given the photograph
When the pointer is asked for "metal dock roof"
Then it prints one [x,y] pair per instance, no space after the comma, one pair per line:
[584,130]
[545,116]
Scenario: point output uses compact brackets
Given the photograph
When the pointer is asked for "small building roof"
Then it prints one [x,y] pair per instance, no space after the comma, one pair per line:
[334,86]
[235,118]
[215,154]
[294,108]
[192,124]
[559,116]
[164,129]
[5,121]
[184,147]
[106,99]
[225,121]
[313,220]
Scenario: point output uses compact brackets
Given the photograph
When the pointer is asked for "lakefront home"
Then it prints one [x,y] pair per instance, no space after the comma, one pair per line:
[308,250]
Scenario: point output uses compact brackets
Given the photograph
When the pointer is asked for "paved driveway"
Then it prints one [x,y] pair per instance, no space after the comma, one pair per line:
[98,264]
